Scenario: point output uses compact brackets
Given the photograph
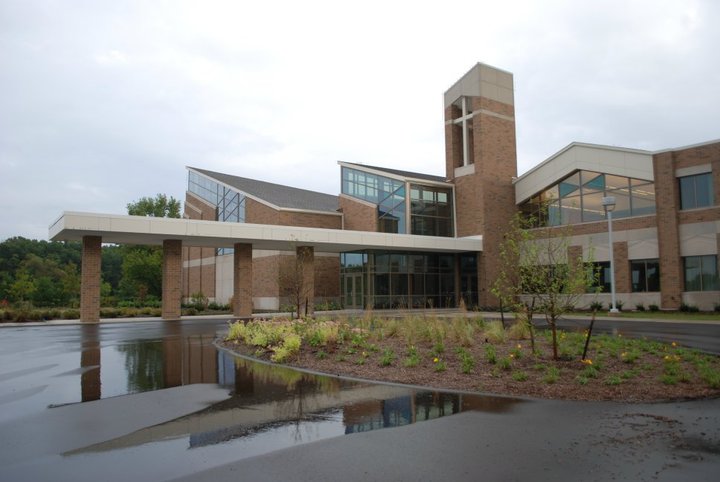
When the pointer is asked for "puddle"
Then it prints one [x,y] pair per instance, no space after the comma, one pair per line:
[270,407]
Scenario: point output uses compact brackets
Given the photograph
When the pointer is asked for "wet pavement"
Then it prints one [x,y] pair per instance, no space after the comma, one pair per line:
[157,401]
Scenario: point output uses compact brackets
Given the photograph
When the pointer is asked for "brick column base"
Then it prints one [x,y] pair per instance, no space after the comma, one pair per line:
[90,278]
[172,279]
[242,280]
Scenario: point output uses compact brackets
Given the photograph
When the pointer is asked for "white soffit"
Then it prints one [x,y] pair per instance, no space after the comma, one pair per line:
[121,229]
[589,157]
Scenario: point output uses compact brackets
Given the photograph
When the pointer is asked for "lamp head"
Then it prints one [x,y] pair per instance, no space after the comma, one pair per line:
[608,203]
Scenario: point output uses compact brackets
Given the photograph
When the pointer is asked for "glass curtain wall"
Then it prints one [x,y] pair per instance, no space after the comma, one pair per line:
[388,194]
[431,210]
[400,280]
[578,199]
[229,204]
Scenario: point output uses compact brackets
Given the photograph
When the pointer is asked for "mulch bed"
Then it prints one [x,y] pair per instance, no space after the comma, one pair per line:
[639,381]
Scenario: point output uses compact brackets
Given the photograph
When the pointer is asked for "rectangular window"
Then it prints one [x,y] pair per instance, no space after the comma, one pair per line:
[645,275]
[696,191]
[701,273]
[601,276]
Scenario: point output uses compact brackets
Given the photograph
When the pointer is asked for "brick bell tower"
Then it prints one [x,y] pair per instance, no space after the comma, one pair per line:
[481,160]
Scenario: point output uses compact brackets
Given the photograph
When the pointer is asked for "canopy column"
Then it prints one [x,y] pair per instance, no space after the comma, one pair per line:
[172,279]
[90,278]
[242,280]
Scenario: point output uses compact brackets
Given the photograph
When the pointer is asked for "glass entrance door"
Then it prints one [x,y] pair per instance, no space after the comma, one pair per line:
[353,290]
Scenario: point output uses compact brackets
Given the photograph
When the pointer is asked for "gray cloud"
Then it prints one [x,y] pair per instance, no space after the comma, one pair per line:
[102,103]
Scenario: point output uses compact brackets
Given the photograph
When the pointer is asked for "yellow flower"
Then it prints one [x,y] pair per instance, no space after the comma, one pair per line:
[586,361]
[519,346]
[436,359]
[512,355]
[674,344]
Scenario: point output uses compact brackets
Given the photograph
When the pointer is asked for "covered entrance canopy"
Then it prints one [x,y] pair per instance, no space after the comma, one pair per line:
[94,229]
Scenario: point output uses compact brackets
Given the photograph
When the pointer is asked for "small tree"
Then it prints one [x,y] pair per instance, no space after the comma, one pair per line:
[539,274]
[292,280]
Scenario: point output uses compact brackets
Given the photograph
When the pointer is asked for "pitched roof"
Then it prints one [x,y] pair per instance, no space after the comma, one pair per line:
[397,172]
[276,194]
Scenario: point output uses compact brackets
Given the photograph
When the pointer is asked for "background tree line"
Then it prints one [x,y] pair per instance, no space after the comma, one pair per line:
[47,274]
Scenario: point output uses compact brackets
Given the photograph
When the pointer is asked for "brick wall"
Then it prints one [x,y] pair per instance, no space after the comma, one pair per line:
[259,213]
[486,198]
[310,220]
[358,216]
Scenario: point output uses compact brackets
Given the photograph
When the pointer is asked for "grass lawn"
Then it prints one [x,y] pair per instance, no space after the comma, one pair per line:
[664,315]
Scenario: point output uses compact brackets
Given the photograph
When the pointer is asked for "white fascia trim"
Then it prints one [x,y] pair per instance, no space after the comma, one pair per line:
[691,146]
[578,144]
[633,163]
[310,211]
[148,230]
[414,180]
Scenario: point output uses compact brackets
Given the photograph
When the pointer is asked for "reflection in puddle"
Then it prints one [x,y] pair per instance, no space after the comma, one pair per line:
[285,407]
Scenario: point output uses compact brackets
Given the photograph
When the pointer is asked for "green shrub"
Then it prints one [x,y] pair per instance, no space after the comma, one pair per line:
[596,306]
[388,357]
[71,314]
[412,359]
[613,380]
[467,362]
[653,307]
[490,354]
[519,376]
[552,375]
[494,332]
[640,307]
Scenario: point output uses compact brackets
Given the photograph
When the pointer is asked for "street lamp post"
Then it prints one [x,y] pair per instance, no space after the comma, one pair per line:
[608,203]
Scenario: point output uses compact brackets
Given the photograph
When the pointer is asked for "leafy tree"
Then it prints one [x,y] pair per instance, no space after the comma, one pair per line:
[142,272]
[160,207]
[142,265]
[537,273]
[22,288]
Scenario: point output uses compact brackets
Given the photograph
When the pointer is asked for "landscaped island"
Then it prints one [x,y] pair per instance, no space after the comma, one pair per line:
[472,354]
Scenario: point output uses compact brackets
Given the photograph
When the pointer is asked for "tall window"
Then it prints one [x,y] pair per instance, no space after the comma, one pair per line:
[701,273]
[645,275]
[696,191]
[602,271]
[431,210]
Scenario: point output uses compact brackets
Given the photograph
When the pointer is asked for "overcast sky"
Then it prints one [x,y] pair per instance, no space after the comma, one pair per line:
[103,102]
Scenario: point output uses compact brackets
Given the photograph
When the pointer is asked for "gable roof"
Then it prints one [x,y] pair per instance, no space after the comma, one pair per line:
[397,172]
[276,194]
